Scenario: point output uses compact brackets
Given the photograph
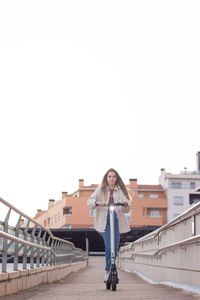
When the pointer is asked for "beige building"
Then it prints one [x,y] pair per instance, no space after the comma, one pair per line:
[181,189]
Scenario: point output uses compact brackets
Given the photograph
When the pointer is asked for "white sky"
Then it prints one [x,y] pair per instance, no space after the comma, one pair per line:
[89,85]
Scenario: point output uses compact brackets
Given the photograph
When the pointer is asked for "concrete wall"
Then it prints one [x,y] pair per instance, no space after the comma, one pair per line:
[16,281]
[181,265]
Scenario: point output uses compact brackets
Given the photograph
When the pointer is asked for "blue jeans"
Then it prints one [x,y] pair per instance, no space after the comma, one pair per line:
[106,238]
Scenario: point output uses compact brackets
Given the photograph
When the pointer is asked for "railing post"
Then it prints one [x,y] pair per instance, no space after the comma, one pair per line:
[87,248]
[32,249]
[43,251]
[58,246]
[15,267]
[5,243]
[62,252]
[49,254]
[38,250]
[25,247]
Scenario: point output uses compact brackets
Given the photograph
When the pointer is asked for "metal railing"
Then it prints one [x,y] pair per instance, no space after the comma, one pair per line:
[139,247]
[170,253]
[38,248]
[190,172]
[186,242]
[191,212]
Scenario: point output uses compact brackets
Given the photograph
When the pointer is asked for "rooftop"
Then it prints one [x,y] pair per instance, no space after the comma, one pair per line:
[150,187]
[139,187]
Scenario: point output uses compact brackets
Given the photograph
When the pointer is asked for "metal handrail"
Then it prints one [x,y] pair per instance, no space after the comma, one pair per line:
[145,252]
[186,242]
[20,241]
[41,245]
[15,239]
[34,222]
[182,217]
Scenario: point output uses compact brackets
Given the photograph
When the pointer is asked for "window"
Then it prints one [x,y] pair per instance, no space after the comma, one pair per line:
[67,211]
[45,222]
[194,198]
[92,212]
[193,185]
[143,211]
[59,216]
[178,200]
[140,195]
[195,201]
[51,220]
[55,218]
[48,220]
[176,184]
[155,196]
[154,214]
[69,226]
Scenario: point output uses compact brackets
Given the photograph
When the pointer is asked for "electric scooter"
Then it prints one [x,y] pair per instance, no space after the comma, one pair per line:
[113,276]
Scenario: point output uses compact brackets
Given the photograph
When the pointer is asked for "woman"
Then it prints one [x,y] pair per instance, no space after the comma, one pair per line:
[112,190]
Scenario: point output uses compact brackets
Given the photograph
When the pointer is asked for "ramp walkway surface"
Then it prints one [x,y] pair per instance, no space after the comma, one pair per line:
[87,284]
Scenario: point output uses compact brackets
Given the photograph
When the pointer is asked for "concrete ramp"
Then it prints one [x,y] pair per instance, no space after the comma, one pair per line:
[87,284]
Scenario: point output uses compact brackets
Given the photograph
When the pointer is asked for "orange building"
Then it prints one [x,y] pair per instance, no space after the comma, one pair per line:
[148,207]
[149,204]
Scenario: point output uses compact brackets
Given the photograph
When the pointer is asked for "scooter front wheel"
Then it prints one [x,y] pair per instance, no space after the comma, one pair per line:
[114,282]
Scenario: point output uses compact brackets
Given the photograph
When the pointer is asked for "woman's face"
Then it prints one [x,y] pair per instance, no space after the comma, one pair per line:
[111,178]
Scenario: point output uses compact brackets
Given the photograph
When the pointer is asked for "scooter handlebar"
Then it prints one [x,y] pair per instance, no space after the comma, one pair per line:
[118,204]
[114,204]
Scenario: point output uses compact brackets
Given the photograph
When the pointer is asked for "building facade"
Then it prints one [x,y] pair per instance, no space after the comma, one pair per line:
[182,189]
[148,207]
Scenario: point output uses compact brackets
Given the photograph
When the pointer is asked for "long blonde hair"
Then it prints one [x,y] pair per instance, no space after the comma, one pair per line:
[119,183]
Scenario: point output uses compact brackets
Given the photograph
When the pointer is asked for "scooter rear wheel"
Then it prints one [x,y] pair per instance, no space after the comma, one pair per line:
[107,285]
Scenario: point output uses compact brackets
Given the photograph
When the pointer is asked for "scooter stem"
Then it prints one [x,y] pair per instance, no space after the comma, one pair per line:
[112,234]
